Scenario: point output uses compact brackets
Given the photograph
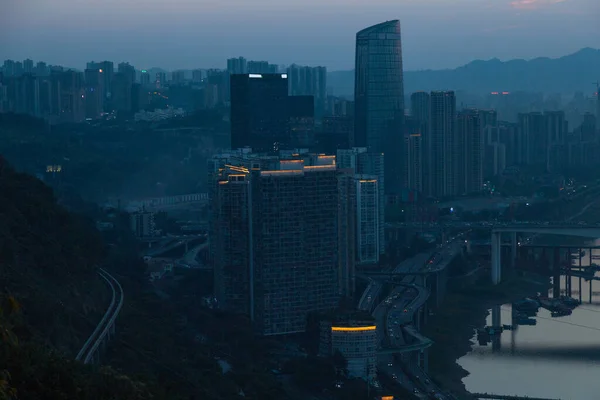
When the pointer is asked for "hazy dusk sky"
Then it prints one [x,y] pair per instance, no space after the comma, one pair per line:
[202,33]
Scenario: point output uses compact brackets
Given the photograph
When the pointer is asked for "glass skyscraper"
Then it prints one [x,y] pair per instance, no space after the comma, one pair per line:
[379,96]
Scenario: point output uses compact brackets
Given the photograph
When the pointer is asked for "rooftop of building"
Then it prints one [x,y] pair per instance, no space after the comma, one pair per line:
[378,27]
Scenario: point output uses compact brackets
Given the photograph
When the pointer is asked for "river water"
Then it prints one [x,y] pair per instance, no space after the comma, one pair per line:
[559,358]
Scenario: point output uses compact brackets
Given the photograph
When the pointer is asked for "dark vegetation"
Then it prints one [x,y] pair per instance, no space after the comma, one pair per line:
[109,159]
[52,299]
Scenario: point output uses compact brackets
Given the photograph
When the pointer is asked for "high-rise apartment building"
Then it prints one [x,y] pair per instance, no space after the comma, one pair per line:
[28,66]
[413,154]
[145,78]
[259,111]
[598,103]
[274,228]
[72,96]
[468,165]
[309,81]
[107,70]
[237,65]
[441,150]
[121,99]
[27,95]
[8,68]
[41,69]
[379,95]
[368,169]
[262,67]
[197,75]
[161,80]
[128,70]
[419,109]
[556,128]
[531,129]
[178,76]
[94,93]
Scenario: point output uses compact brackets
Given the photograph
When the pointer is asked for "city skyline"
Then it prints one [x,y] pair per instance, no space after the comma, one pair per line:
[64,32]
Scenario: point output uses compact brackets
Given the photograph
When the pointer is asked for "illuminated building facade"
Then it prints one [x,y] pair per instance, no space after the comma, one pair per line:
[106,68]
[356,340]
[367,166]
[274,238]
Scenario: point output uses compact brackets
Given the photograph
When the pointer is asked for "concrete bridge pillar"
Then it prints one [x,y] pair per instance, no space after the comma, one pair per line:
[496,318]
[555,273]
[513,249]
[425,360]
[496,257]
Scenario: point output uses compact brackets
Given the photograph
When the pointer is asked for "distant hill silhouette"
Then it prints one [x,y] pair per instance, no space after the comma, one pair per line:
[568,74]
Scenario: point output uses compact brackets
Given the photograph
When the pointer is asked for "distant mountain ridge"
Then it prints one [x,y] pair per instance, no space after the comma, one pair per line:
[568,74]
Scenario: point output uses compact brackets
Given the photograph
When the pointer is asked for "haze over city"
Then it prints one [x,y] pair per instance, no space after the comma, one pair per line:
[338,200]
[436,34]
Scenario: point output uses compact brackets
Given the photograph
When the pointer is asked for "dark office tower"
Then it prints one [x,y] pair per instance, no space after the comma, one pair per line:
[145,78]
[532,131]
[379,95]
[302,122]
[94,93]
[259,111]
[128,70]
[337,132]
[468,165]
[28,66]
[41,69]
[161,80]
[121,96]
[274,223]
[237,66]
[441,151]
[107,69]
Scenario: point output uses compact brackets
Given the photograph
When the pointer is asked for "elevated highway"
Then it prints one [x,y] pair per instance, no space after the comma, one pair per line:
[89,353]
[395,315]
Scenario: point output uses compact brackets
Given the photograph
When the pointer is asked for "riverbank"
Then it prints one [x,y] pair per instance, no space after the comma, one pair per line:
[452,328]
